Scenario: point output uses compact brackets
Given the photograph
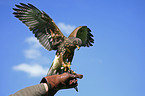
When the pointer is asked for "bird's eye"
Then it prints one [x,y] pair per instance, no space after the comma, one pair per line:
[75,42]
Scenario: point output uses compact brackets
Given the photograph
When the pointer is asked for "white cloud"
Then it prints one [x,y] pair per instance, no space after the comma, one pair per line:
[34,70]
[66,28]
[33,42]
[33,51]
[35,59]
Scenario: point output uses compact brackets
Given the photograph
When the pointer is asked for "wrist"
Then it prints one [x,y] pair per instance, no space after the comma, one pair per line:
[46,86]
[51,85]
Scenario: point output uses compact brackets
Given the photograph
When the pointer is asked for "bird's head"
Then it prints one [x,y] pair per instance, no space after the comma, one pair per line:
[73,43]
[77,43]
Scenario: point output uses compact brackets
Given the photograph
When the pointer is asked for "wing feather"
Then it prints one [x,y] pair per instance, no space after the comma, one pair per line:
[39,23]
[84,33]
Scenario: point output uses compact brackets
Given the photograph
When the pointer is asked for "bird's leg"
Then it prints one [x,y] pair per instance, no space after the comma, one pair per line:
[69,59]
[64,66]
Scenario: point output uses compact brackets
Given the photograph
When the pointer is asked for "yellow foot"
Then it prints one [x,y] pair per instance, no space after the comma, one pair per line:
[66,66]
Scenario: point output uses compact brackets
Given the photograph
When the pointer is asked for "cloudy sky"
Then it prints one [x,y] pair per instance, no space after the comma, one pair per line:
[114,66]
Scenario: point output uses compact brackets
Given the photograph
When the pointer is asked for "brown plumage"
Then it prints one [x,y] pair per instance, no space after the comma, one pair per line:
[49,35]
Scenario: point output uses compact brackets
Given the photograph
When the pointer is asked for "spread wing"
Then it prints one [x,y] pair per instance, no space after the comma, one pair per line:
[84,33]
[44,28]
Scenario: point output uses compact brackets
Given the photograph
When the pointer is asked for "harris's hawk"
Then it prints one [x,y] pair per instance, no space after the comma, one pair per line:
[50,36]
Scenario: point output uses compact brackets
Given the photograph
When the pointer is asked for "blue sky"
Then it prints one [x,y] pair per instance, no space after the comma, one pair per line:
[114,66]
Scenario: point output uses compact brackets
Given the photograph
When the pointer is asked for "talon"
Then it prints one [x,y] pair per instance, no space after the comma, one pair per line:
[65,69]
[73,72]
[68,65]
[64,66]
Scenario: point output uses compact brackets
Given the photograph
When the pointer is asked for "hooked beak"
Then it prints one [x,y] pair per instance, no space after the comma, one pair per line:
[78,47]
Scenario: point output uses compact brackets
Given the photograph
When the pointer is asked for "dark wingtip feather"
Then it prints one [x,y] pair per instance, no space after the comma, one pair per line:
[87,45]
[14,13]
[91,35]
[17,5]
[90,39]
[25,5]
[90,44]
[89,29]
[22,4]
[32,5]
[15,9]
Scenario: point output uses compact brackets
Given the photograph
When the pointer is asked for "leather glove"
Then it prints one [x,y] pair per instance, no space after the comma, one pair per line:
[62,81]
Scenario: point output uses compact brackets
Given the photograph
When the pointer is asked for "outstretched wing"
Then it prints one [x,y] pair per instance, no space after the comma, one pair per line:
[84,33]
[44,28]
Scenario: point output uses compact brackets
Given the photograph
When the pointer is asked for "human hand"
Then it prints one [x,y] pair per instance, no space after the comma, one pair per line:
[62,81]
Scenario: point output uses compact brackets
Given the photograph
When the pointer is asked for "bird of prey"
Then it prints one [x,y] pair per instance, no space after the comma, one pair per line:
[50,36]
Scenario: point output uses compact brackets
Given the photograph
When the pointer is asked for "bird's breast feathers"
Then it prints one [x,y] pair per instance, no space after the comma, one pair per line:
[56,63]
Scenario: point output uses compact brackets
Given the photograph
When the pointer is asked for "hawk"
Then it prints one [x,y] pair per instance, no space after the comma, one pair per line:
[51,38]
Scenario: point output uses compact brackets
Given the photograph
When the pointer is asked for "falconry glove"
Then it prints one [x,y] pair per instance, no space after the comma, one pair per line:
[62,81]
